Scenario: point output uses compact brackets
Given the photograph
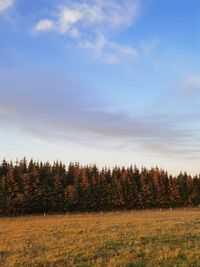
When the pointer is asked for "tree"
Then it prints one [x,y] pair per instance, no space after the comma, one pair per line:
[36,187]
[2,195]
[195,191]
[118,188]
[14,199]
[146,197]
[185,189]
[174,192]
[39,199]
[28,192]
[131,191]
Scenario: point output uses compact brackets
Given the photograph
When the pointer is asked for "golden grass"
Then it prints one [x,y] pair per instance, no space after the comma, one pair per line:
[145,238]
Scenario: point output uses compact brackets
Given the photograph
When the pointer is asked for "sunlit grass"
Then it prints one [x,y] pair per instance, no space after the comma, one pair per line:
[143,238]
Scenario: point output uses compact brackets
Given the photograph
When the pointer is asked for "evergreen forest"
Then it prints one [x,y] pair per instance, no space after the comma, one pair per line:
[36,188]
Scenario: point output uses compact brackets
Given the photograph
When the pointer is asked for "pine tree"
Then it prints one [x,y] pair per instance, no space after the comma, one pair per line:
[70,200]
[131,191]
[185,189]
[174,192]
[119,188]
[160,188]
[41,187]
[195,191]
[14,199]
[4,168]
[105,193]
[84,191]
[39,200]
[2,195]
[28,193]
[58,194]
[146,190]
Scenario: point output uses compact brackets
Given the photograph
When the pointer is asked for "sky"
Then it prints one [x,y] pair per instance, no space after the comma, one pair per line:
[104,82]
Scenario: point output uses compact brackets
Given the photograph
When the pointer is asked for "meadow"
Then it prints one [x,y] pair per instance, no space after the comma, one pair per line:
[134,238]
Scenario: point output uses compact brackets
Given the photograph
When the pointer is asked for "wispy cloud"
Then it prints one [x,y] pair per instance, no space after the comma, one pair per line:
[68,18]
[97,13]
[90,22]
[6,4]
[110,52]
[44,25]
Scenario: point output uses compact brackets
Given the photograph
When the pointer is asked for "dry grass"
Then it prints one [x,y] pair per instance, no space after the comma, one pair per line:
[151,238]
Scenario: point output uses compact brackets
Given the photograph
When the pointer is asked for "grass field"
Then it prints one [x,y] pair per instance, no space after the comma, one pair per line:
[145,238]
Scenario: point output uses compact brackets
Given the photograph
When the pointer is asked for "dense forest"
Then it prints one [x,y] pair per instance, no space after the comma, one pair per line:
[36,187]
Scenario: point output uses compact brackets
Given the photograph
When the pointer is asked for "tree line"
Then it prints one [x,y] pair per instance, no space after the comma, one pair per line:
[37,187]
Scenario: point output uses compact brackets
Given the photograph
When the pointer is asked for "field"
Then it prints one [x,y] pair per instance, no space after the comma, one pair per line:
[140,238]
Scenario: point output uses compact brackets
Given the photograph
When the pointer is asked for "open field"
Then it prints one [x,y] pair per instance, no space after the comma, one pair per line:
[143,238]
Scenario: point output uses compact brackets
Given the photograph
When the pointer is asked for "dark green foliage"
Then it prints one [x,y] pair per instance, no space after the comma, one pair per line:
[33,188]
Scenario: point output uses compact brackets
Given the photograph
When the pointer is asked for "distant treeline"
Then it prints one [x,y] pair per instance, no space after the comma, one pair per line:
[36,187]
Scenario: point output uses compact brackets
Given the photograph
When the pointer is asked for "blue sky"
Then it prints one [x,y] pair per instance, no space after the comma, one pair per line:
[106,82]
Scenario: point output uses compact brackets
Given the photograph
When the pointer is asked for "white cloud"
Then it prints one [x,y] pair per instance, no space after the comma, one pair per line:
[90,22]
[5,4]
[113,14]
[110,52]
[68,18]
[119,13]
[97,14]
[44,25]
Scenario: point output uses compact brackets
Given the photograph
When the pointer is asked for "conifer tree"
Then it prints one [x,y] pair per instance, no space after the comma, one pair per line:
[41,187]
[28,193]
[131,192]
[174,192]
[185,189]
[2,194]
[146,198]
[38,198]
[14,199]
[195,191]
[119,188]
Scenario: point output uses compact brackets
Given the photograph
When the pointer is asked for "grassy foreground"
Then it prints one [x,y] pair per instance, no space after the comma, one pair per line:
[143,238]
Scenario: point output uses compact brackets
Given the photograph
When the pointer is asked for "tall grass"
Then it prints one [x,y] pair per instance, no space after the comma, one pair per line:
[141,238]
